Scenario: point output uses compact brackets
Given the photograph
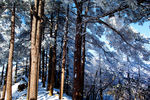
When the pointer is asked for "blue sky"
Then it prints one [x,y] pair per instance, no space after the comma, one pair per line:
[144,29]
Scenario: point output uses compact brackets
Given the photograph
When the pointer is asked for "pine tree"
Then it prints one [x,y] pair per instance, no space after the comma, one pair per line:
[77,54]
[43,67]
[10,58]
[50,54]
[35,49]
[2,75]
[4,86]
[52,80]
[64,55]
[16,72]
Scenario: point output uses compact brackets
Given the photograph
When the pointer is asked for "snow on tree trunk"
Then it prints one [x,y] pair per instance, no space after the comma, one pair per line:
[10,58]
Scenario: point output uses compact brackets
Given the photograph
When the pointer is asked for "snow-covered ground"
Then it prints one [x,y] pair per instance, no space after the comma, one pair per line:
[42,93]
[22,95]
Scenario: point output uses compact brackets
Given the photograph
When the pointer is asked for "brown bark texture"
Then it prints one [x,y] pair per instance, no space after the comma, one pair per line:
[53,69]
[64,56]
[4,87]
[10,57]
[77,90]
[2,74]
[50,54]
[35,49]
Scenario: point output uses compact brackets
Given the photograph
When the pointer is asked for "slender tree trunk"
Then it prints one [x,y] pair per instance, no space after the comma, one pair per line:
[67,72]
[46,67]
[43,67]
[16,73]
[39,36]
[101,94]
[4,86]
[43,51]
[52,81]
[83,53]
[10,58]
[2,75]
[58,78]
[50,54]
[77,56]
[28,90]
[26,68]
[64,56]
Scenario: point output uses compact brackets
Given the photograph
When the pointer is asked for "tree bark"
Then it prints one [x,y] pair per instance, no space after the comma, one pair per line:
[101,94]
[2,75]
[26,68]
[46,67]
[52,80]
[4,87]
[58,78]
[50,54]
[35,50]
[67,72]
[83,53]
[10,58]
[16,73]
[28,90]
[64,55]
[43,67]
[77,56]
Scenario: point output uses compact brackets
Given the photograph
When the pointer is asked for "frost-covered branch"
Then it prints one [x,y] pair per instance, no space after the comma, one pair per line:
[102,22]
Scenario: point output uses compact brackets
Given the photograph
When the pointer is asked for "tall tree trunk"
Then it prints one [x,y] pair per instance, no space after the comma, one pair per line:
[16,73]
[52,81]
[64,55]
[26,73]
[31,16]
[101,94]
[58,78]
[39,35]
[50,54]
[4,86]
[77,56]
[35,50]
[10,58]
[43,67]
[67,72]
[28,90]
[43,50]
[83,53]
[46,67]
[2,75]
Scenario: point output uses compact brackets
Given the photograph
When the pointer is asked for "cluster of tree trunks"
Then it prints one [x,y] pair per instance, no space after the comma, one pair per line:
[37,29]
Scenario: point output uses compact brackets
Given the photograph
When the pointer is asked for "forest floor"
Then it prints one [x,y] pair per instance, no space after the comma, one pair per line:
[42,93]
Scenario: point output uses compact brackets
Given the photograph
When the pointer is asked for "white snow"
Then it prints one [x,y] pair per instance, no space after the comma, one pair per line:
[42,93]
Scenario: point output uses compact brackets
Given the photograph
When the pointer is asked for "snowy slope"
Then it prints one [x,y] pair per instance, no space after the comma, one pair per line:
[42,93]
